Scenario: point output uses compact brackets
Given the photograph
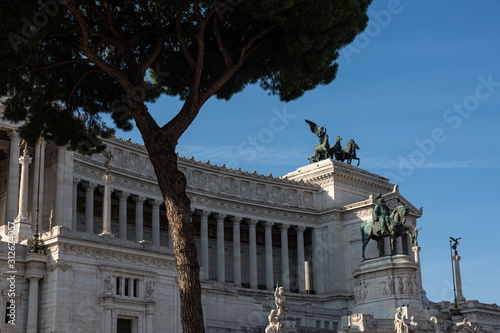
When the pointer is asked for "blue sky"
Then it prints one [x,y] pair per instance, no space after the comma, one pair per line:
[419,91]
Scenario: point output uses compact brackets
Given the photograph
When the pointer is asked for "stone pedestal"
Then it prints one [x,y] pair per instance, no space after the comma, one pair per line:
[35,270]
[386,283]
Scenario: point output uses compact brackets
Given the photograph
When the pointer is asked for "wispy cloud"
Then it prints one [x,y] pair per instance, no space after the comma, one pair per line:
[232,156]
[381,163]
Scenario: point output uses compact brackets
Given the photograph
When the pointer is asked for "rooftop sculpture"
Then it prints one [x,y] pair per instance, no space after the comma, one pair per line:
[323,150]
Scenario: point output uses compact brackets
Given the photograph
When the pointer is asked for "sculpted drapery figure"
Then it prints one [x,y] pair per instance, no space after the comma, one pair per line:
[400,325]
[277,318]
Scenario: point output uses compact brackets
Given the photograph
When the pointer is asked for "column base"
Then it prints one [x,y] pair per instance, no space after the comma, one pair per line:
[23,231]
[106,235]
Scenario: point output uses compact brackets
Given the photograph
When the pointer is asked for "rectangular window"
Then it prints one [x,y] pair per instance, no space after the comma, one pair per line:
[118,279]
[123,325]
[7,311]
[127,285]
[136,288]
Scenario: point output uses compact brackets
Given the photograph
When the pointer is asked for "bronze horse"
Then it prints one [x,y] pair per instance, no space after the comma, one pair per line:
[395,229]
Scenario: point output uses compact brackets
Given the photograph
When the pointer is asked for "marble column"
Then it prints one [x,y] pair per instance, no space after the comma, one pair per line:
[399,245]
[221,273]
[76,181]
[122,214]
[301,258]
[155,221]
[458,278]
[269,255]
[252,238]
[318,260]
[106,204]
[386,242]
[13,179]
[416,256]
[285,267]
[24,160]
[149,318]
[236,251]
[32,321]
[35,270]
[204,243]
[89,207]
[39,165]
[139,216]
[108,307]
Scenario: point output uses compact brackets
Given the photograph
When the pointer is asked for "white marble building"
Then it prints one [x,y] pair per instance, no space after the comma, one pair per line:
[252,232]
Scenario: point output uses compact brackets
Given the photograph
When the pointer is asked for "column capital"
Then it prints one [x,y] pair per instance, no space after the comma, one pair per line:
[155,203]
[139,199]
[235,219]
[416,248]
[107,179]
[219,216]
[89,186]
[268,224]
[25,159]
[76,181]
[13,135]
[252,222]
[300,228]
[284,226]
[123,195]
[456,257]
[203,213]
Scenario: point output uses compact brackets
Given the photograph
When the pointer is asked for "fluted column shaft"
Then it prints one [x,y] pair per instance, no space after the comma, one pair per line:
[89,207]
[236,251]
[155,222]
[204,243]
[269,255]
[13,179]
[139,218]
[301,259]
[221,273]
[252,237]
[122,214]
[285,267]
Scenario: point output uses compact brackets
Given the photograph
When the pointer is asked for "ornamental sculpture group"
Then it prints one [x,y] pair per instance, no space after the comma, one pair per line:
[323,150]
[385,224]
[278,322]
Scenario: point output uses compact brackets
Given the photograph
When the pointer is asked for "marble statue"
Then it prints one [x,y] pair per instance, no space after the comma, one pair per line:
[278,321]
[400,326]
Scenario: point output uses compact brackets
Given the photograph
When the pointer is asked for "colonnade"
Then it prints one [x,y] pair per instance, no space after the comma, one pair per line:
[236,244]
[123,196]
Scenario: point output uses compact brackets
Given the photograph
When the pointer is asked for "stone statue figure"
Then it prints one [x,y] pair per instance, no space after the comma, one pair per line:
[108,156]
[400,325]
[455,242]
[108,284]
[415,235]
[381,213]
[278,322]
[323,150]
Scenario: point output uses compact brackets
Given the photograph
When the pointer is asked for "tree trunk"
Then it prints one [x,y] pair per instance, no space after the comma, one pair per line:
[172,184]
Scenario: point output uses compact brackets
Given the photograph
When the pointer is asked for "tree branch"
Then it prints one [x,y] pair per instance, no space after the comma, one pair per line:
[182,43]
[74,61]
[246,51]
[152,57]
[79,81]
[225,54]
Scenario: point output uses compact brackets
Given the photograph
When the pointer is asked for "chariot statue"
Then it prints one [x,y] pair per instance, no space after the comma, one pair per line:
[385,224]
[323,150]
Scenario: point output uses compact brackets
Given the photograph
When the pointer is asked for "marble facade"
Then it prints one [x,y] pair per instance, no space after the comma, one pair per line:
[109,263]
